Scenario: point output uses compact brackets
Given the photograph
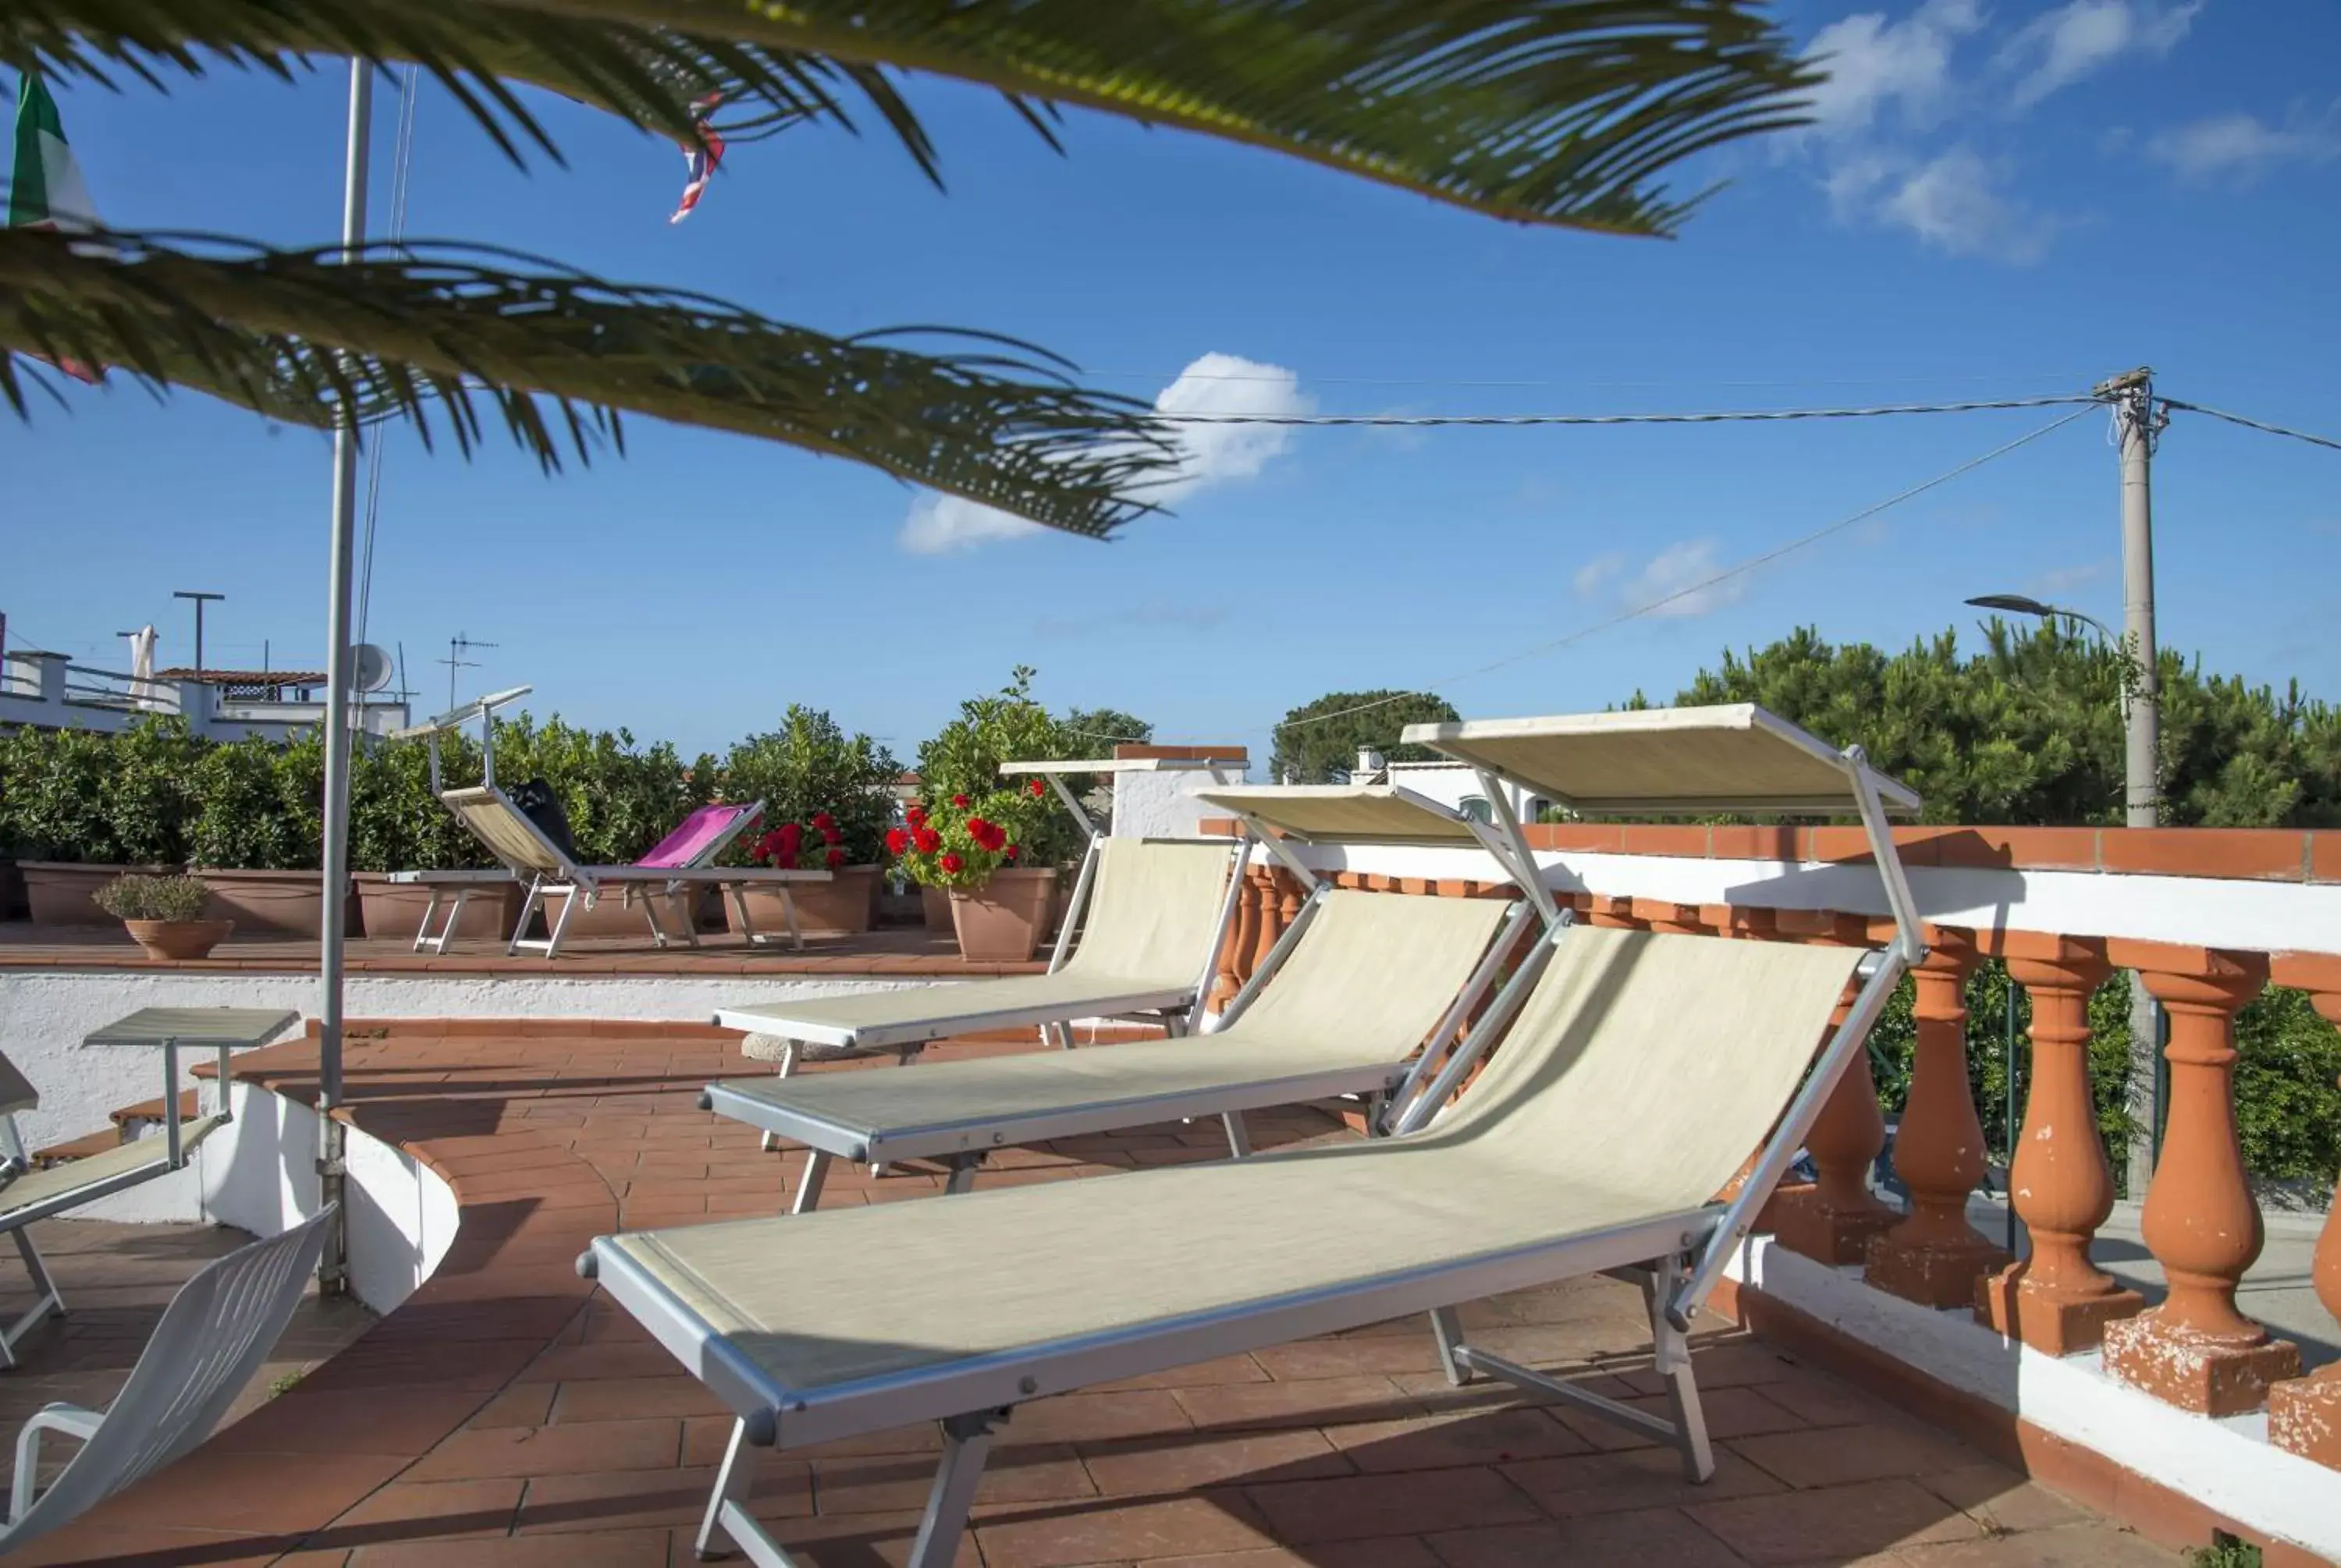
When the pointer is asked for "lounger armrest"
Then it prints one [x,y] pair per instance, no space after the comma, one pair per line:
[70,1420]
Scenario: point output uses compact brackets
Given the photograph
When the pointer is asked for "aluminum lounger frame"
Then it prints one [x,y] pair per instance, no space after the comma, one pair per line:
[1054,1021]
[1270,817]
[1678,1256]
[116,1170]
[548,873]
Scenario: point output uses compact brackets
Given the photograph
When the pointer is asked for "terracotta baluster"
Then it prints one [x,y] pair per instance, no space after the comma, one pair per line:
[1268,925]
[1612,912]
[2305,1413]
[2057,1300]
[1934,1257]
[1664,915]
[1832,1219]
[1245,936]
[2201,1221]
[1289,908]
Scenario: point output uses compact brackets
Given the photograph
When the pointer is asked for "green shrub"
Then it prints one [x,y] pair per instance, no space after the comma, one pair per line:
[811,765]
[619,798]
[59,784]
[153,898]
[150,799]
[260,804]
[965,755]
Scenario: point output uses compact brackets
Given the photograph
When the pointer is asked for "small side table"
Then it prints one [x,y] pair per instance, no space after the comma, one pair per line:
[226,1028]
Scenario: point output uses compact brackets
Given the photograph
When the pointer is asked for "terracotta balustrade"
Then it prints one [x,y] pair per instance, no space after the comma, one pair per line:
[2201,1221]
[1934,1256]
[1669,917]
[1832,1218]
[2057,1300]
[1612,913]
[1267,922]
[2305,1413]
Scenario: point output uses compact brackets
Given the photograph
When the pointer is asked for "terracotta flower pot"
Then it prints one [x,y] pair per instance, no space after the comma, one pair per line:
[169,941]
[277,903]
[934,904]
[59,894]
[396,910]
[845,904]
[1002,921]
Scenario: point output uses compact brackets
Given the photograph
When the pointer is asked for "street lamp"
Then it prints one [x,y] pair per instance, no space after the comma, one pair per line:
[201,600]
[2017,604]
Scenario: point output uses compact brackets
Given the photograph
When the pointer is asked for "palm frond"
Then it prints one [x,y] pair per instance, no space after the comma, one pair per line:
[431,331]
[1544,111]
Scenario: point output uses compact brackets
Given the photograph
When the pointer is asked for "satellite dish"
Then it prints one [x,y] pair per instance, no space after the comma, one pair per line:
[373,667]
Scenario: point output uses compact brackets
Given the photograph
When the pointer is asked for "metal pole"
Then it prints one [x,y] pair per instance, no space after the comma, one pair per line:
[2138,421]
[332,1267]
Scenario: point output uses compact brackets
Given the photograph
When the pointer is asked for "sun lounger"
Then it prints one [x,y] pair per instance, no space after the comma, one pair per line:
[213,1337]
[1361,982]
[1637,1071]
[28,1194]
[679,864]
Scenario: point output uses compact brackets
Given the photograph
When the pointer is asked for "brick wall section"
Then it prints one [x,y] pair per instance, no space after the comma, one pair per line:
[2237,854]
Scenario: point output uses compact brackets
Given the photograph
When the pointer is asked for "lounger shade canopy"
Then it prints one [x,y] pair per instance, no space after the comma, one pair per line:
[1639,1072]
[1061,767]
[1154,915]
[1346,813]
[1735,758]
[1344,1014]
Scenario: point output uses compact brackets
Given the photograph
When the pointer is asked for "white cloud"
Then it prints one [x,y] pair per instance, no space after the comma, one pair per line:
[2242,146]
[2058,49]
[1873,63]
[1210,454]
[1952,202]
[1596,571]
[1678,575]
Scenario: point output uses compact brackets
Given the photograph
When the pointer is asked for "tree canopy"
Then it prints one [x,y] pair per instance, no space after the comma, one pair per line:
[2026,730]
[1318,741]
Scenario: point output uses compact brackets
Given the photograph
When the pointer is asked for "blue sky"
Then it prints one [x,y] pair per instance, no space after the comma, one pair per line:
[2002,200]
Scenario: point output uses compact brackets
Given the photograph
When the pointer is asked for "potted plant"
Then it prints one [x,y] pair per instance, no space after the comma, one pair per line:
[828,801]
[65,808]
[1009,725]
[396,824]
[258,823]
[972,848]
[164,915]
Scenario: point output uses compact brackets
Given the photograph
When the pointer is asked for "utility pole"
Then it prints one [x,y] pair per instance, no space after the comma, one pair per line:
[2138,424]
[457,646]
[201,600]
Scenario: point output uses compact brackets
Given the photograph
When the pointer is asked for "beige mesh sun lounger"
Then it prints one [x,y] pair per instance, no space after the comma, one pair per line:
[1361,981]
[1638,1072]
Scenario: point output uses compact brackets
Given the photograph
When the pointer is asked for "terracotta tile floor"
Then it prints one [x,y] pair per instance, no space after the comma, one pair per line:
[507,1417]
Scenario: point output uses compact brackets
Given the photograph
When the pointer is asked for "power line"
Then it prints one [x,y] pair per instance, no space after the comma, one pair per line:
[2252,424]
[1741,568]
[1288,377]
[1719,417]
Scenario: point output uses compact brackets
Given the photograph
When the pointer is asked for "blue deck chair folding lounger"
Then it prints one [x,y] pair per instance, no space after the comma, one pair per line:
[1637,1071]
[681,864]
[1342,1005]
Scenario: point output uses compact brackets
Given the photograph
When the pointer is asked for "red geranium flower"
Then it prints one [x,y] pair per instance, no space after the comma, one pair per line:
[916,816]
[824,820]
[832,835]
[790,835]
[959,801]
[977,826]
[927,839]
[786,860]
[1037,788]
[897,841]
[1010,853]
[836,858]
[952,865]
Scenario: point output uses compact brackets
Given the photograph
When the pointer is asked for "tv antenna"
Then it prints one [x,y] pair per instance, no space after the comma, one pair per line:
[457,646]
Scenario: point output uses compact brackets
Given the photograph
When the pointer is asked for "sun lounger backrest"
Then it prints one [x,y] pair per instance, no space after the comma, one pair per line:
[508,835]
[1153,909]
[1650,1064]
[700,837]
[212,1337]
[1374,969]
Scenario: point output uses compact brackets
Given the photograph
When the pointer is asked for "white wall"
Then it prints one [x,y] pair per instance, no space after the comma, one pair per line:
[1162,805]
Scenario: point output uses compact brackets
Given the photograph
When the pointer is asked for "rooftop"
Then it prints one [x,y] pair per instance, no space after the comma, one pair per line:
[503,1403]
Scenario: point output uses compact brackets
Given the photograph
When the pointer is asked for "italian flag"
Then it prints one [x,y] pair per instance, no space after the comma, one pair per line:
[44,184]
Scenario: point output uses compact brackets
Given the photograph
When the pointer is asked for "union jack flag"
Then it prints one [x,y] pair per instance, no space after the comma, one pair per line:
[703,157]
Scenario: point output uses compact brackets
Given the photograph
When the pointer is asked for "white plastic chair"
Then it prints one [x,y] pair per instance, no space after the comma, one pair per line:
[213,1336]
